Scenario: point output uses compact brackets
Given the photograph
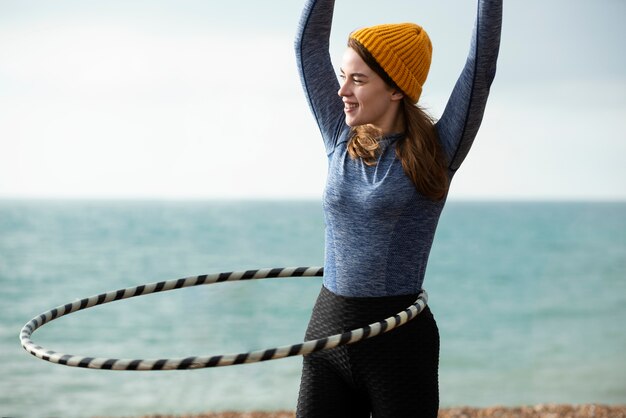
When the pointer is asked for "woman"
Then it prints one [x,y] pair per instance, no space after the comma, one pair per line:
[389,171]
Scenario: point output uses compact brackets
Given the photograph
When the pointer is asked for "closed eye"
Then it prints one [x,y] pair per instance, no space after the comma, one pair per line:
[357,78]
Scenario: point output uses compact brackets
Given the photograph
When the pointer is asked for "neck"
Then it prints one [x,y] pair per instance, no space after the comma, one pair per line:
[394,124]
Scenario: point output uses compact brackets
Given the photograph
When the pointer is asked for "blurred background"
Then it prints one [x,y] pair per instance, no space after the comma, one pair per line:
[195,99]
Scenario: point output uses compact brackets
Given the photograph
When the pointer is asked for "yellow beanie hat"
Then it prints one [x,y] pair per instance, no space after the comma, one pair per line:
[403,50]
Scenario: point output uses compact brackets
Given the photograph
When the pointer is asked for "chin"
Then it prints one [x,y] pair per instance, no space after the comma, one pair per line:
[351,122]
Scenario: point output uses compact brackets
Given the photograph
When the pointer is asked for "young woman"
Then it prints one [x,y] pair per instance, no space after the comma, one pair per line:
[390,167]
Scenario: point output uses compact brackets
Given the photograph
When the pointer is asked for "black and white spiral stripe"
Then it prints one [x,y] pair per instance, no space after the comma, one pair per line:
[197,362]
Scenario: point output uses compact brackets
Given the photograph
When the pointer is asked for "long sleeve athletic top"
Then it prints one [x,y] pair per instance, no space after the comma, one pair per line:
[379,228]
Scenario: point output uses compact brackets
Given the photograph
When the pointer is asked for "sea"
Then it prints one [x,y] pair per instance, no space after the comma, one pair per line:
[529,297]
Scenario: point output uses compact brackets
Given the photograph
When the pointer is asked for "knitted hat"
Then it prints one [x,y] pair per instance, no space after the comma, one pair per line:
[403,50]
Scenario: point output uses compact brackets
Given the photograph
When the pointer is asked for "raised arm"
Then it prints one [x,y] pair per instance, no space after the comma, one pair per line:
[317,75]
[463,114]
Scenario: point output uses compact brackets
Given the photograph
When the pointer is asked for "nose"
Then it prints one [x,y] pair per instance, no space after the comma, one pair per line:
[343,90]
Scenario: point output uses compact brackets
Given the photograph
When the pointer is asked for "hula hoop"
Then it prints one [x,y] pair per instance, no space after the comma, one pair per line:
[197,362]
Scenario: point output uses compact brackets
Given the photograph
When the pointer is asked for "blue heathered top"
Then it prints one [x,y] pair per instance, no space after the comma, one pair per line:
[379,229]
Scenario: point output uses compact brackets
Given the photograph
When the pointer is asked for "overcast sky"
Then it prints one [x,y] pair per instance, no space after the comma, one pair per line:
[201,99]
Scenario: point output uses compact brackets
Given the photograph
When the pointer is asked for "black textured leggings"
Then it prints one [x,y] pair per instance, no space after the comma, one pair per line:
[393,375]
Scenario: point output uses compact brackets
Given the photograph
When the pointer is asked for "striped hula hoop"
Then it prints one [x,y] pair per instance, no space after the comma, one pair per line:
[197,362]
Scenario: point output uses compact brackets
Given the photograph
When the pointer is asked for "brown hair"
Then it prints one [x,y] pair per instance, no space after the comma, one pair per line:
[419,151]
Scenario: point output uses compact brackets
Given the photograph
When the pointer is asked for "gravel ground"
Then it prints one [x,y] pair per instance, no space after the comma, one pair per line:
[537,411]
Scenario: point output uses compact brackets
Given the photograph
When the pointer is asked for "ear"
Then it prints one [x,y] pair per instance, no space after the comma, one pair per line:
[397,95]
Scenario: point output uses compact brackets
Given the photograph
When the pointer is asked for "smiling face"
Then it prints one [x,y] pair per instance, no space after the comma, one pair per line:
[367,98]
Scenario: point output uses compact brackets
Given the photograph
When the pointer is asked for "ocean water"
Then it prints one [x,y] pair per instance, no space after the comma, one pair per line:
[530,299]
